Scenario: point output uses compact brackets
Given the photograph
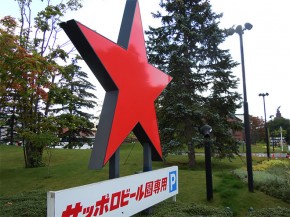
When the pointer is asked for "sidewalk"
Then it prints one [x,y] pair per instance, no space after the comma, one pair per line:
[272,155]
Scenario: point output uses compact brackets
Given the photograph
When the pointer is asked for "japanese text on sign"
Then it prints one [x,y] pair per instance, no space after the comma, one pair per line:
[110,202]
[123,196]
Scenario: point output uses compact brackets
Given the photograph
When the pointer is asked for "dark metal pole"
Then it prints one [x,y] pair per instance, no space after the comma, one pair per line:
[246,119]
[208,170]
[206,131]
[266,125]
[147,157]
[114,165]
[147,166]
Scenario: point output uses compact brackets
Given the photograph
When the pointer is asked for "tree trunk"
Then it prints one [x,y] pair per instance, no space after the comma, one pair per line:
[191,150]
[12,124]
[11,139]
[24,152]
[33,155]
[48,103]
[191,156]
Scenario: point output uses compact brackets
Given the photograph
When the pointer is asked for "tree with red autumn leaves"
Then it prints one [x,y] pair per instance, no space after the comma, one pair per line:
[257,129]
[24,80]
[39,79]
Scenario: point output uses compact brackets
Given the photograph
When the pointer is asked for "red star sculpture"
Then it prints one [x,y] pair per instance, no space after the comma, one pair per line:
[131,84]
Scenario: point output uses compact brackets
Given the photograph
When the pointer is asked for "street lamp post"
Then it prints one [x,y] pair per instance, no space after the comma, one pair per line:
[240,31]
[206,131]
[266,125]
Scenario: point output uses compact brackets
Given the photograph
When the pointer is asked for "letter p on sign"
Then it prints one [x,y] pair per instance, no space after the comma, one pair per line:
[172,181]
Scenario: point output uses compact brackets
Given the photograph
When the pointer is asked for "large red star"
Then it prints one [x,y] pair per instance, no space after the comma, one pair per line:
[131,83]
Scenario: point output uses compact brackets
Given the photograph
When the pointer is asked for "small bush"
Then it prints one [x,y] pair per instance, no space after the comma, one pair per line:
[241,174]
[173,209]
[263,177]
[271,177]
[266,165]
[270,212]
[275,189]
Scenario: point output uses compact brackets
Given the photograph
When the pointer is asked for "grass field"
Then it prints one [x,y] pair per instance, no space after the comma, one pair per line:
[69,168]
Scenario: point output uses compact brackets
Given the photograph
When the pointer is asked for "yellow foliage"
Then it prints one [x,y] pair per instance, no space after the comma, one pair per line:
[270,163]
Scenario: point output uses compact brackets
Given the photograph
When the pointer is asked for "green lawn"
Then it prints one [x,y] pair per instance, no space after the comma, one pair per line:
[69,168]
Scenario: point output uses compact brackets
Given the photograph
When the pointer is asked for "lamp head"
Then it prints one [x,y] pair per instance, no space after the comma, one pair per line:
[206,130]
[263,94]
[239,29]
[248,26]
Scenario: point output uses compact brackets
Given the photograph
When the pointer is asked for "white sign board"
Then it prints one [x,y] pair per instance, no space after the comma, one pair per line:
[124,196]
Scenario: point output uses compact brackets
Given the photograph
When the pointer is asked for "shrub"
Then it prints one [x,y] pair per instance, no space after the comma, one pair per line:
[172,209]
[268,164]
[275,189]
[271,177]
[270,212]
[263,177]
[33,204]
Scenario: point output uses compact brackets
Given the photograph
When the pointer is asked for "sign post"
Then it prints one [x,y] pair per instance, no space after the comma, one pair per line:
[132,85]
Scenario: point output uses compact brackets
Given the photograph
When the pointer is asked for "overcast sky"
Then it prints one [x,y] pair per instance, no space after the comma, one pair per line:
[266,46]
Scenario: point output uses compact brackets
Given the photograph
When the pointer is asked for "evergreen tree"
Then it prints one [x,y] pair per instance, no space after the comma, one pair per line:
[186,46]
[275,131]
[73,97]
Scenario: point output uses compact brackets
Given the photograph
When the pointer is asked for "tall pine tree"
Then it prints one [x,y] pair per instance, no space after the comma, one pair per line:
[73,98]
[186,46]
